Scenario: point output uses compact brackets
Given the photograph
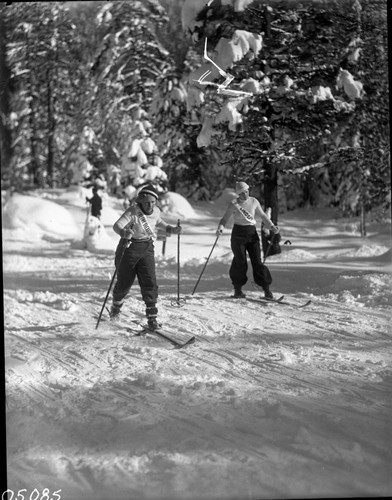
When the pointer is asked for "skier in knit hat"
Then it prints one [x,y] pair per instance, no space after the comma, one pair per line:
[244,239]
[138,224]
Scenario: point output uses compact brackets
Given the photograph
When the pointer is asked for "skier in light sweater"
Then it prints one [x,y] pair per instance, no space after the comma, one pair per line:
[244,239]
[138,225]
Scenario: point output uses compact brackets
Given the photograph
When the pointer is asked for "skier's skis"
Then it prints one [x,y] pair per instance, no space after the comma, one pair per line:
[146,329]
[266,299]
[283,302]
[177,345]
[280,299]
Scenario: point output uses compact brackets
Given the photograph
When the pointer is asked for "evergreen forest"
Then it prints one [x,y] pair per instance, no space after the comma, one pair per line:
[130,91]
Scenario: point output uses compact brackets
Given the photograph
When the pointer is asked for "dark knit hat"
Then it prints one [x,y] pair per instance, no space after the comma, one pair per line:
[147,191]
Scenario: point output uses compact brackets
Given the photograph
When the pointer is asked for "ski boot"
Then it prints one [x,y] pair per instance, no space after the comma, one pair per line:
[115,311]
[267,293]
[152,324]
[239,294]
[151,314]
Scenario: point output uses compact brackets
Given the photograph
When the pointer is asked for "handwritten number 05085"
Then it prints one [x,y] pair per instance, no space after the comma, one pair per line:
[34,495]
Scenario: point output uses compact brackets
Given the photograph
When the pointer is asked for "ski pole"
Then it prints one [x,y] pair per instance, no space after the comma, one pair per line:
[179,302]
[178,262]
[88,206]
[205,265]
[125,246]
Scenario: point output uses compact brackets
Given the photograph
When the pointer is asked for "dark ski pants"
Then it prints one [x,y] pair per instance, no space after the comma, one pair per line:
[244,239]
[138,261]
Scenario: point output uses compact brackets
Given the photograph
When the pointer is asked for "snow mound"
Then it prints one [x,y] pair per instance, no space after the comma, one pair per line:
[176,205]
[296,255]
[370,289]
[47,217]
[370,251]
[47,298]
[74,195]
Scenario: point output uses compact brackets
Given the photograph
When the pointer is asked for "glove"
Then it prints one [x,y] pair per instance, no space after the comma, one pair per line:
[275,229]
[174,229]
[126,234]
[219,231]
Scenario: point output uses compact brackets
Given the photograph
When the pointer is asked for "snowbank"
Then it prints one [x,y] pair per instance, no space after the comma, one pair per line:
[370,289]
[34,214]
[175,205]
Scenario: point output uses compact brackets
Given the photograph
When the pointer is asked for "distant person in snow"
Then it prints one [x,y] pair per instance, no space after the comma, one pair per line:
[138,225]
[96,203]
[244,239]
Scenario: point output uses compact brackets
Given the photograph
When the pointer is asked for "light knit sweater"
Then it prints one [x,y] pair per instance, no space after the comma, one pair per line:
[131,220]
[252,207]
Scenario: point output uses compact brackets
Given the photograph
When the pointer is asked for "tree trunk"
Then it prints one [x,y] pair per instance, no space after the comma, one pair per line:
[363,219]
[34,162]
[174,39]
[363,197]
[5,132]
[51,129]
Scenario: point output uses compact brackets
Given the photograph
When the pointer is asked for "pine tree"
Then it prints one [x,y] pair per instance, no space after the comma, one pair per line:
[43,73]
[5,98]
[301,62]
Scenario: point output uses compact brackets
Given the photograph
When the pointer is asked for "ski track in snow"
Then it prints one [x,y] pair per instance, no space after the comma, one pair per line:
[270,402]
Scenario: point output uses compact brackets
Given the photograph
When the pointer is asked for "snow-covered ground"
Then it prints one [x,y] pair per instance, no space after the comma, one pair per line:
[271,401]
